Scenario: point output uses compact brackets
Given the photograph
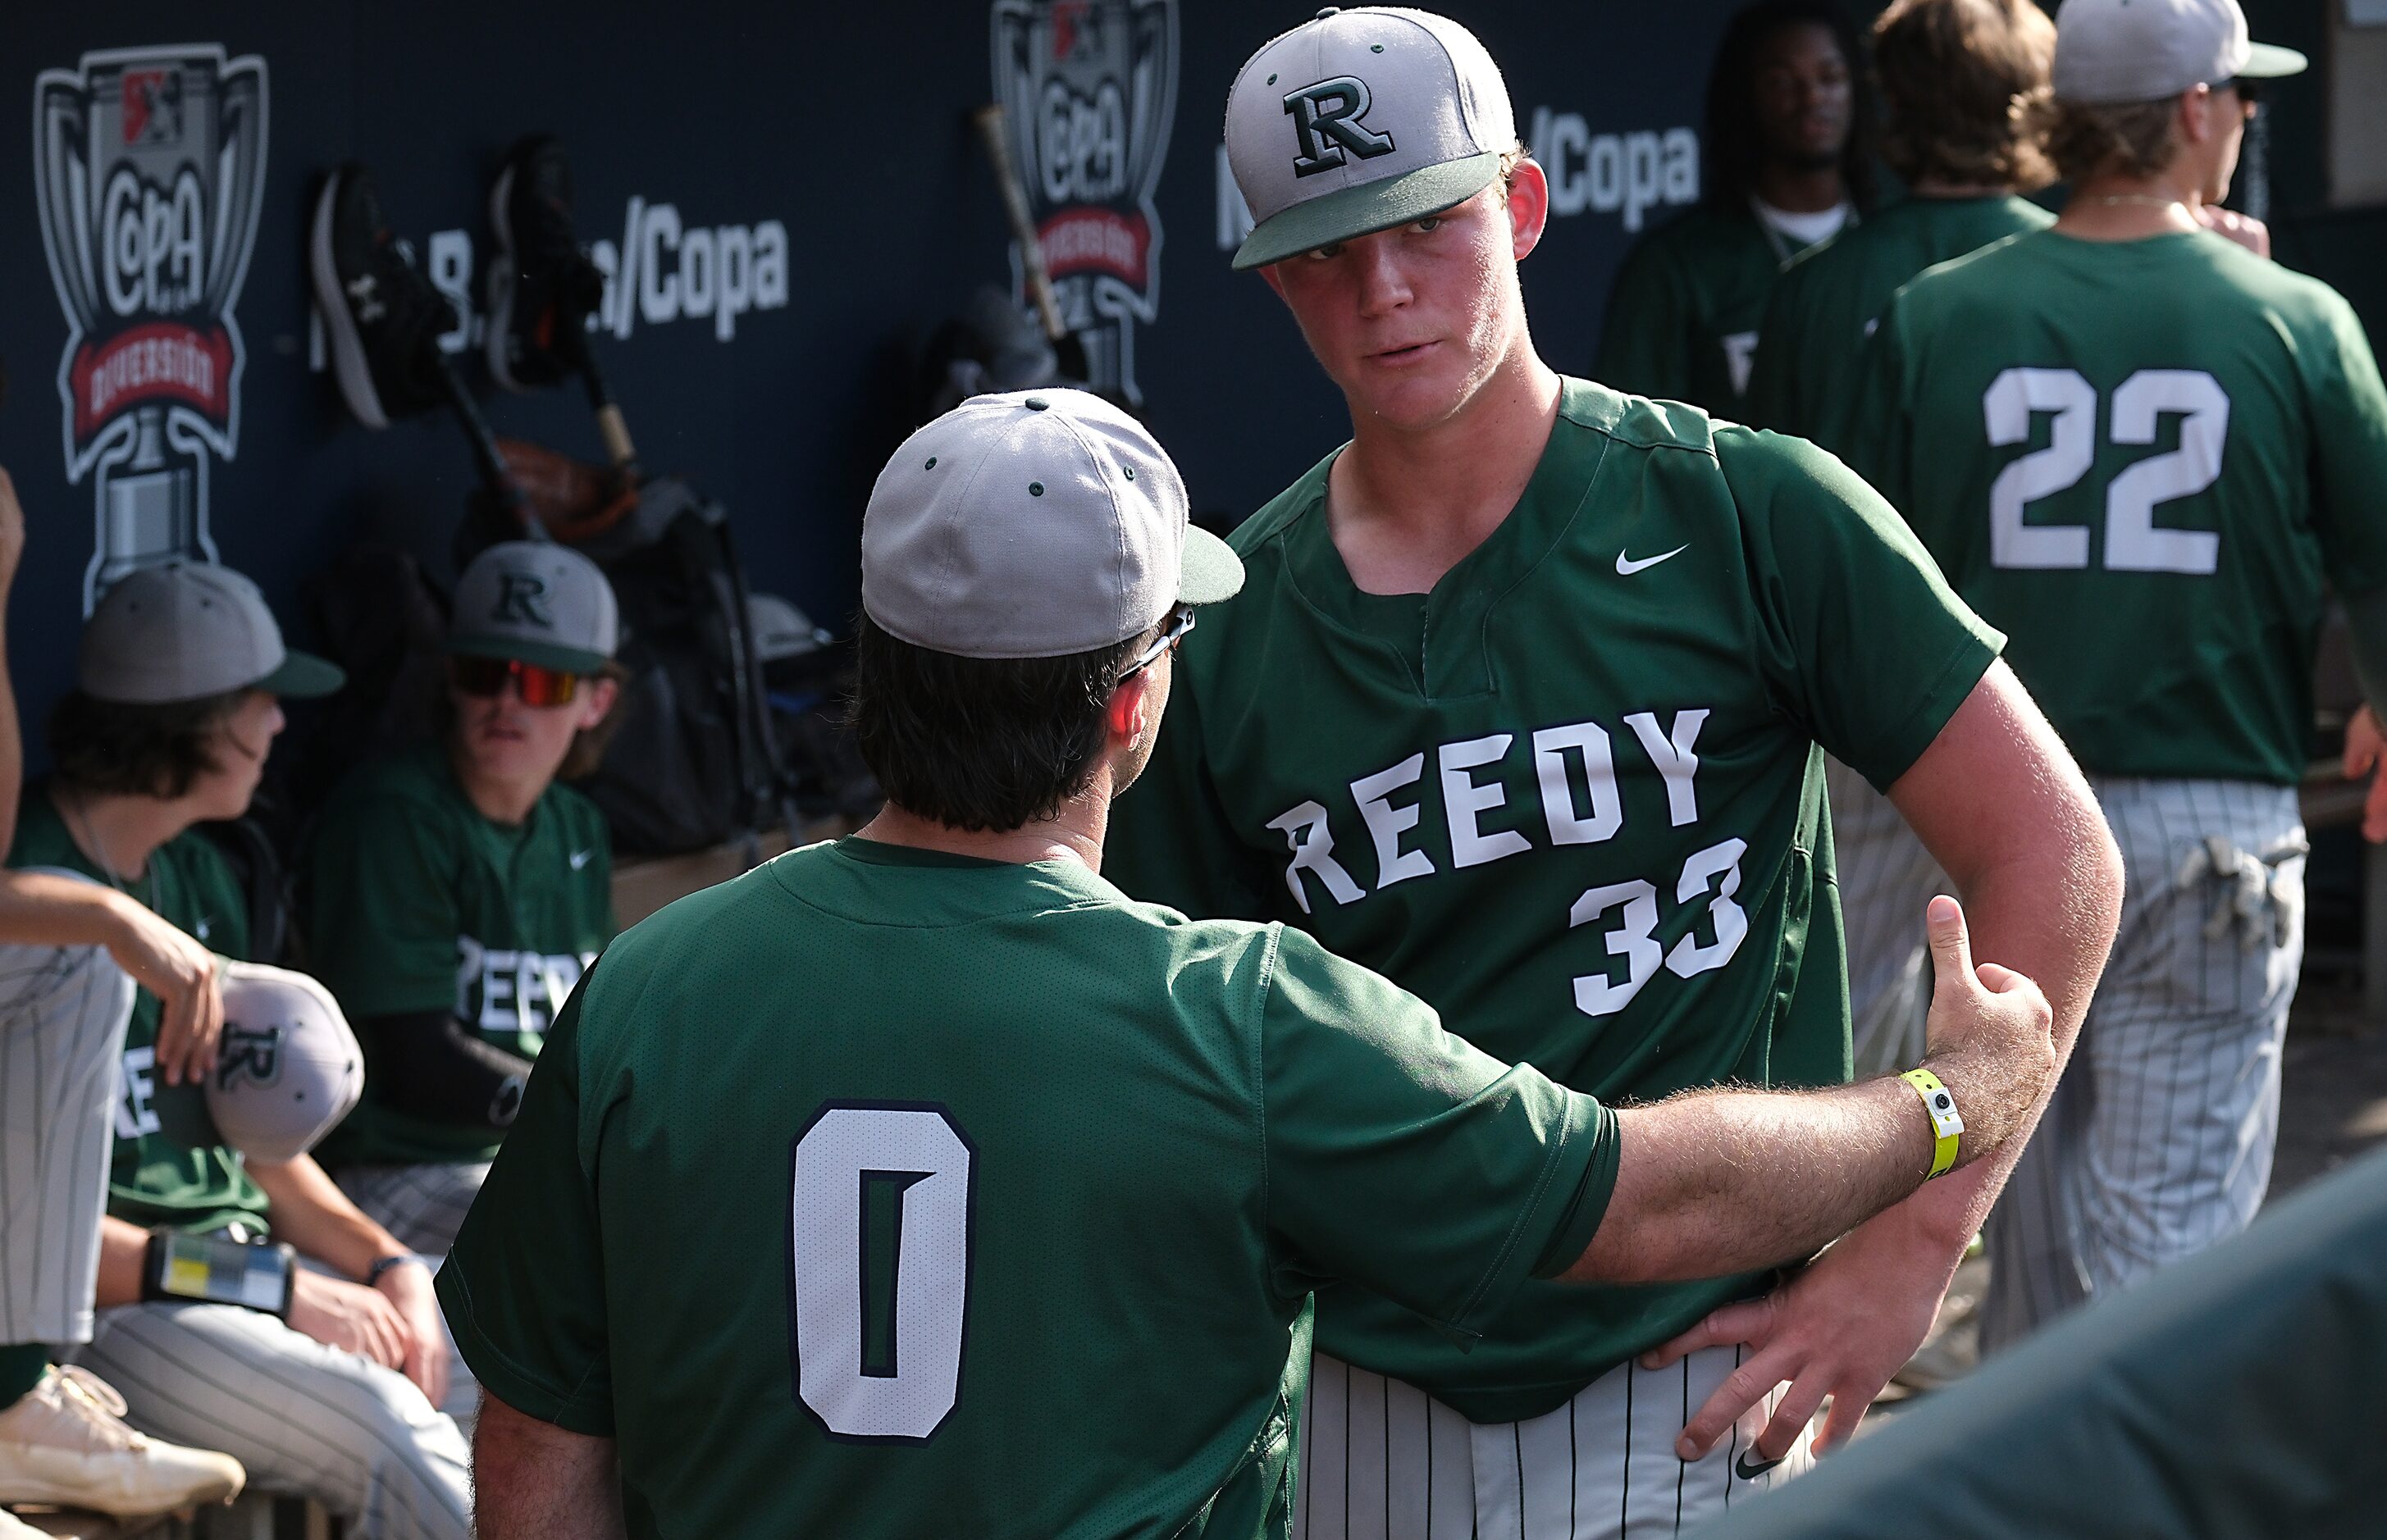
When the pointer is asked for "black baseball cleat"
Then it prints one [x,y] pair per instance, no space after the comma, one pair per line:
[542,286]
[381,314]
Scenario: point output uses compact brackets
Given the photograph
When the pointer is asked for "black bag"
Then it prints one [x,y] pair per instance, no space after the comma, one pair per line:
[693,763]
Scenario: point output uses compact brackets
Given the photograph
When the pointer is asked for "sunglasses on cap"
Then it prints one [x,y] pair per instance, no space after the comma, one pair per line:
[486,678]
[1180,624]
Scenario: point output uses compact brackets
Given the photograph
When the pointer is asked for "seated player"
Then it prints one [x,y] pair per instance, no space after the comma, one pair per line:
[923,1183]
[69,950]
[457,891]
[322,1379]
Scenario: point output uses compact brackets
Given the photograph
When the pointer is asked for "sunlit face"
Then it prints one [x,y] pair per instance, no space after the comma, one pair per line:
[2226,113]
[1411,321]
[238,745]
[499,738]
[1805,98]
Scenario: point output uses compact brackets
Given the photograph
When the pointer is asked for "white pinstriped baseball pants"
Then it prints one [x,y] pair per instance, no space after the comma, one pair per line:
[1884,879]
[62,1016]
[1383,1460]
[2158,1142]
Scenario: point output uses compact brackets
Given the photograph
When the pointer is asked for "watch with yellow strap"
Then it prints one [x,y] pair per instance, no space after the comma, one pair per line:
[1946,1121]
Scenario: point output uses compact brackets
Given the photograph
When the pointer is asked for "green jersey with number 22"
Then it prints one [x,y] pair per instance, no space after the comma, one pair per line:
[1571,797]
[2142,459]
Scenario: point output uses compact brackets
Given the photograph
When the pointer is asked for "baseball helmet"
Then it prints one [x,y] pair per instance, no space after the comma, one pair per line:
[289,1068]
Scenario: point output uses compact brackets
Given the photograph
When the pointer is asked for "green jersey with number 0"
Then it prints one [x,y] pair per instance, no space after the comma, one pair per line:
[1571,797]
[420,903]
[2142,459]
[882,1192]
[1684,316]
[1832,295]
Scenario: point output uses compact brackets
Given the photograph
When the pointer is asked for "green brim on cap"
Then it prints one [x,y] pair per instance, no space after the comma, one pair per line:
[1350,212]
[571,660]
[1212,571]
[2269,61]
[303,677]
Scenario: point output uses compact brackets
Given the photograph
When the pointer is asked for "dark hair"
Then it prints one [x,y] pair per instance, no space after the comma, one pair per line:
[1962,81]
[980,743]
[114,748]
[1731,148]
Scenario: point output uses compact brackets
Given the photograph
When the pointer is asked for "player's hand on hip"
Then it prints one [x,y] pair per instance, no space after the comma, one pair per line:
[349,1316]
[1839,1327]
[409,1289]
[165,960]
[1991,1035]
[2366,747]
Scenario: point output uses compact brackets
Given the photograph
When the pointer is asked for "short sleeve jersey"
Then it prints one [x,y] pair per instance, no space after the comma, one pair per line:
[2142,459]
[170,1166]
[883,1193]
[418,902]
[1831,296]
[1571,797]
[1682,319]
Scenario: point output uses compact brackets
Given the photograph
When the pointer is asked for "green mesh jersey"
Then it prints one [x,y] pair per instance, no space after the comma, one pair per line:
[170,1166]
[2141,458]
[886,1193]
[1683,317]
[1570,797]
[1804,381]
[418,902]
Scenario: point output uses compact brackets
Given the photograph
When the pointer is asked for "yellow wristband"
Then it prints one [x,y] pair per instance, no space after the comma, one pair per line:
[1946,1121]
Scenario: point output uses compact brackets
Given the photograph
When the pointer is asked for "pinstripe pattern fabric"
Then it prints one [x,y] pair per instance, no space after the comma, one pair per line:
[63,1011]
[306,1419]
[1383,1460]
[1884,876]
[422,1205]
[2158,1142]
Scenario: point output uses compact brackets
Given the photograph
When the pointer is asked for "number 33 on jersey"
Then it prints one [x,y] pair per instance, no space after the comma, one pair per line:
[1569,797]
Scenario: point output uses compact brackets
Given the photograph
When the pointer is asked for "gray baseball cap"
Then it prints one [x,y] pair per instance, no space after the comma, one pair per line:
[536,603]
[1359,121]
[188,630]
[2109,52]
[1033,524]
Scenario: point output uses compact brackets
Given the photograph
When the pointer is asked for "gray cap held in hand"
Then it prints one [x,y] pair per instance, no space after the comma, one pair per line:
[188,630]
[2112,52]
[1359,121]
[1034,525]
[536,603]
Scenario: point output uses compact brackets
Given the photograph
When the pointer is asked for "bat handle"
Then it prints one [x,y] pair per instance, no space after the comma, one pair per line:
[990,121]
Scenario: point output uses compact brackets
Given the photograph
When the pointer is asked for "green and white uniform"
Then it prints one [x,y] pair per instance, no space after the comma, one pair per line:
[1571,798]
[2142,459]
[421,903]
[1805,382]
[886,1192]
[1684,316]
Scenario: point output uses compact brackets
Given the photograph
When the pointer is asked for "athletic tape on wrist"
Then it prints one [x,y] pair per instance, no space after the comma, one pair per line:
[1939,1104]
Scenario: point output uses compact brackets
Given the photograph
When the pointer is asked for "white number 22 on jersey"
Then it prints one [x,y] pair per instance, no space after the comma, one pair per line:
[879,1359]
[2133,543]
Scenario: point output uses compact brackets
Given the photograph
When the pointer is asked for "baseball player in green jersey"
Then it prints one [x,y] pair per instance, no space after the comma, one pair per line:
[923,1183]
[1520,705]
[2139,448]
[457,891]
[320,1379]
[1956,77]
[1788,147]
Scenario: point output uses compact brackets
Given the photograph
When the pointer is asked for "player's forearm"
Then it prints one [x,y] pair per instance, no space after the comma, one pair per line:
[123,1250]
[429,1064]
[40,909]
[1723,1182]
[312,1213]
[534,1481]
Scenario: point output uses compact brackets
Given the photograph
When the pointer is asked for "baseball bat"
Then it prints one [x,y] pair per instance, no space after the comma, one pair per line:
[989,120]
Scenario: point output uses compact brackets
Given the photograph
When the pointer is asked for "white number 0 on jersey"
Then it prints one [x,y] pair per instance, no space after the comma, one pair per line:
[2132,541]
[902,1386]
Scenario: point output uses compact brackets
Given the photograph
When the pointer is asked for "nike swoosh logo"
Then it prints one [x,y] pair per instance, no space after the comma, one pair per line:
[1626,566]
[1749,1473]
[580,859]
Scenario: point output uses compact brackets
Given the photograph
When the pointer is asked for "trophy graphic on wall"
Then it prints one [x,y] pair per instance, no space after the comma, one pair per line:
[149,165]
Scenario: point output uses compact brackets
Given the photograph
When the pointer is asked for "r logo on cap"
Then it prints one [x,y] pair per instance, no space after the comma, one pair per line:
[523,596]
[1335,108]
